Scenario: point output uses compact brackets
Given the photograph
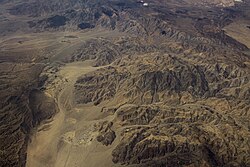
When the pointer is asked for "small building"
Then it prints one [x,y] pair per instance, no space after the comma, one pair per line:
[145,4]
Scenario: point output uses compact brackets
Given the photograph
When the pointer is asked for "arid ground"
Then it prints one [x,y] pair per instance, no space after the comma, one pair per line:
[124,83]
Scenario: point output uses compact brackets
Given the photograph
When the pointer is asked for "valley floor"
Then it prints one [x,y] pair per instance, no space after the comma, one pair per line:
[70,138]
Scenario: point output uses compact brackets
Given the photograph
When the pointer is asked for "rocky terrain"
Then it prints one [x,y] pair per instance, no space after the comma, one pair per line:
[121,83]
[18,117]
[177,103]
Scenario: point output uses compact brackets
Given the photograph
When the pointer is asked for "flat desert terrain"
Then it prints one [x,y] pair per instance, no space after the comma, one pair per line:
[69,138]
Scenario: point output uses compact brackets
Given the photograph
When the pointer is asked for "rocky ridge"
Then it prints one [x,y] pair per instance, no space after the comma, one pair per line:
[205,75]
[173,89]
[215,95]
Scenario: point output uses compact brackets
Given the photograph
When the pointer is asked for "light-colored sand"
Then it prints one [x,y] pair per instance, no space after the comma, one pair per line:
[50,40]
[239,31]
[71,138]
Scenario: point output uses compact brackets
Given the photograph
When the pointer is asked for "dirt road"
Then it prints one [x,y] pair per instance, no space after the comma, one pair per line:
[48,147]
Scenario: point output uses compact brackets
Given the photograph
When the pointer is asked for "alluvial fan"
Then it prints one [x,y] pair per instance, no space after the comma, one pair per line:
[125,83]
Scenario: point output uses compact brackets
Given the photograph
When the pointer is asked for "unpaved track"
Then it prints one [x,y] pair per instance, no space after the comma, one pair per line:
[64,143]
[43,150]
[70,140]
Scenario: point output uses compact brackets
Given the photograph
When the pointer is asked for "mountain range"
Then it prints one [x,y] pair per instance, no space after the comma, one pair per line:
[120,83]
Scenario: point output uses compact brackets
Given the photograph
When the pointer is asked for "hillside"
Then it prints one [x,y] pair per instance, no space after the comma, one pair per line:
[124,83]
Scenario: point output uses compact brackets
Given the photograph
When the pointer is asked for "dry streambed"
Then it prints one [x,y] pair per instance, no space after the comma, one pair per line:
[70,139]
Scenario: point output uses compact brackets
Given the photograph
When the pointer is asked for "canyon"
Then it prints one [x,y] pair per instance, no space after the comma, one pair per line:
[119,83]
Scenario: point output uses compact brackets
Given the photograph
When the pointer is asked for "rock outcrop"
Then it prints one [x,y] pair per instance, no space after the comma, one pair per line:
[18,118]
[174,85]
[107,135]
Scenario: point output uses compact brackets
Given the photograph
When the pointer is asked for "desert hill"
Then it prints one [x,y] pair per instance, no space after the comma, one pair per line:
[124,83]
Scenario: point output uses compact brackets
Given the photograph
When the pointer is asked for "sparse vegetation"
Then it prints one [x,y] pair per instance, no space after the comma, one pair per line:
[115,83]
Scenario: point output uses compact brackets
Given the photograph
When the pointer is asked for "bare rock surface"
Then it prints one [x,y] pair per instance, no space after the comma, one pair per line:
[123,83]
